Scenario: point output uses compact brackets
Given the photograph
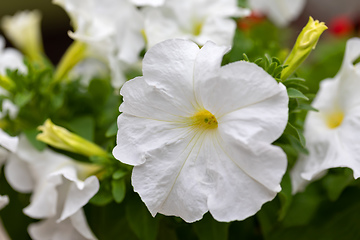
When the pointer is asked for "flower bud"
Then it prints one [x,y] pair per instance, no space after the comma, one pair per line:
[61,138]
[24,31]
[305,42]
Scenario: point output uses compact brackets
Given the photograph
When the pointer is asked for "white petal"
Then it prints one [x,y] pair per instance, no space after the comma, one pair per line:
[8,142]
[174,179]
[49,229]
[18,174]
[4,200]
[218,30]
[146,101]
[44,200]
[263,162]
[281,12]
[239,186]
[79,194]
[264,121]
[207,63]
[237,85]
[352,52]
[139,135]
[168,66]
[78,220]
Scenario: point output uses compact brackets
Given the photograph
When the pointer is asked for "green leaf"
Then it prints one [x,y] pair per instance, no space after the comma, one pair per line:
[290,129]
[103,196]
[307,107]
[21,99]
[112,130]
[119,174]
[210,229]
[83,126]
[140,220]
[118,189]
[294,93]
[31,136]
[336,181]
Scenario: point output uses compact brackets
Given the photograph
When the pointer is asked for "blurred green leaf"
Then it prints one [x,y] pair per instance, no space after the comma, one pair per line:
[118,189]
[140,220]
[210,229]
[294,93]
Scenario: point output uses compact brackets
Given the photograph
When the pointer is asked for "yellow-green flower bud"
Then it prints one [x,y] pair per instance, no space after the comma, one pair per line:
[305,42]
[74,54]
[61,138]
[24,31]
[6,82]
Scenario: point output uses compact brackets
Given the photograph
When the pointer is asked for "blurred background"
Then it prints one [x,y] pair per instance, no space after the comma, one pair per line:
[56,23]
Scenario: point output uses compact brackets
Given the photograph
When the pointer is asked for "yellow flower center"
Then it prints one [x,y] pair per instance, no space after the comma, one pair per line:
[197,28]
[204,119]
[334,119]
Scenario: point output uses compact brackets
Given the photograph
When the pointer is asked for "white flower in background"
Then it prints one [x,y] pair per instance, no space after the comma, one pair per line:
[332,134]
[112,30]
[199,135]
[154,3]
[199,21]
[24,31]
[60,188]
[4,200]
[280,12]
[10,59]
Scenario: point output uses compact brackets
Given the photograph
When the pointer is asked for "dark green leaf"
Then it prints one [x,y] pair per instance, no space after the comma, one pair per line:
[285,195]
[210,229]
[83,126]
[140,220]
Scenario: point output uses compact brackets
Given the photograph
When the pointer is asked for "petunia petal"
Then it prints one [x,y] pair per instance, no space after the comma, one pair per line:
[169,68]
[146,101]
[18,175]
[240,85]
[79,193]
[238,189]
[174,179]
[139,135]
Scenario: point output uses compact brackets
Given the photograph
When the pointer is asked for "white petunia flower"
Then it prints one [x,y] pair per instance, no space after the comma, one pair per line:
[199,135]
[332,133]
[60,188]
[112,30]
[200,21]
[281,12]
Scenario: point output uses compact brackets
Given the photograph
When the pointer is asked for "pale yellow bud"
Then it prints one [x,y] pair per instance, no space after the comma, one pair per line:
[305,42]
[61,138]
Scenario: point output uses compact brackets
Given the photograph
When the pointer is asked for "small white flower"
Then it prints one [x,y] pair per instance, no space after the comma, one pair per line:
[56,182]
[24,31]
[332,134]
[199,135]
[199,21]
[111,29]
[10,59]
[281,12]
